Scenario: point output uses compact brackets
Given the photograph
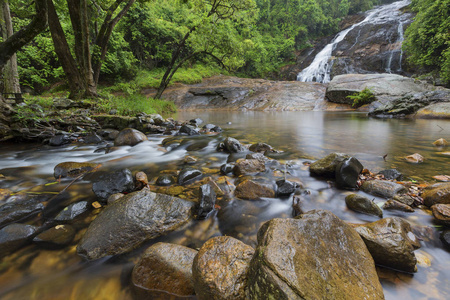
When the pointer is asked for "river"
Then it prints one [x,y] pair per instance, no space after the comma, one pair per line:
[36,273]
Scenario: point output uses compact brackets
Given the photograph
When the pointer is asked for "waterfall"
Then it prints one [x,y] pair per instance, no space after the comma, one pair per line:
[319,70]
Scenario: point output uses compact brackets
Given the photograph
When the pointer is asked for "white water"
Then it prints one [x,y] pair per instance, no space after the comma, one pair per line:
[319,70]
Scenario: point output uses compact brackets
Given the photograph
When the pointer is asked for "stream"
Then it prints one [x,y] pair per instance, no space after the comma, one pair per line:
[38,273]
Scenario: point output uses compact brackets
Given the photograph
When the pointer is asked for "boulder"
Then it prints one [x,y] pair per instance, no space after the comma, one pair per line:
[164,267]
[347,173]
[112,183]
[382,188]
[207,200]
[248,166]
[59,140]
[363,205]
[435,110]
[391,243]
[326,166]
[133,219]
[211,128]
[19,210]
[73,211]
[220,269]
[286,187]
[56,237]
[15,236]
[392,174]
[129,137]
[251,190]
[405,199]
[314,256]
[232,145]
[261,148]
[397,205]
[441,213]
[188,174]
[72,169]
[92,138]
[436,193]
[189,130]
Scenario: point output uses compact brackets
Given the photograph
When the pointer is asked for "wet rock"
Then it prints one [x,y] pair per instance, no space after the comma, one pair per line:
[141,180]
[392,174]
[292,262]
[347,173]
[248,166]
[73,211]
[19,210]
[220,269]
[72,169]
[441,213]
[164,267]
[212,128]
[445,238]
[258,156]
[15,236]
[157,119]
[109,134]
[112,183]
[59,140]
[436,110]
[189,160]
[405,199]
[226,168]
[231,145]
[165,180]
[441,143]
[382,188]
[326,166]
[286,187]
[129,137]
[114,197]
[396,205]
[92,139]
[197,145]
[363,205]
[233,157]
[261,148]
[196,122]
[436,194]
[391,243]
[250,190]
[189,130]
[414,158]
[135,218]
[188,174]
[56,237]
[207,200]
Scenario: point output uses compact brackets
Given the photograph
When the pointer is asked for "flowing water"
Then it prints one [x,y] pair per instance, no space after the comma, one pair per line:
[319,70]
[37,273]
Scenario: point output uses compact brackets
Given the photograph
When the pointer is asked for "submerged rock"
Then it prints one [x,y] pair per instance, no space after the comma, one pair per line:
[73,211]
[19,210]
[165,180]
[132,220]
[220,269]
[55,237]
[414,158]
[347,173]
[391,243]
[72,169]
[302,258]
[363,205]
[251,190]
[392,174]
[112,183]
[261,148]
[382,188]
[164,267]
[326,166]
[437,193]
[15,236]
[397,205]
[188,174]
[441,213]
[248,166]
[440,143]
[129,137]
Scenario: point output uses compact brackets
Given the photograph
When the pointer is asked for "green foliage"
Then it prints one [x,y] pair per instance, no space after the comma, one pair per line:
[428,37]
[366,96]
[35,110]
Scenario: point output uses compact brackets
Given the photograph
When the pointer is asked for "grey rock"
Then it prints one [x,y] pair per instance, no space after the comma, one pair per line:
[392,174]
[112,183]
[129,137]
[165,180]
[15,236]
[207,200]
[382,188]
[188,174]
[73,211]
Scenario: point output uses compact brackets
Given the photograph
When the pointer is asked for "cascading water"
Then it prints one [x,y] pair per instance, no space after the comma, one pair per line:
[400,40]
[319,70]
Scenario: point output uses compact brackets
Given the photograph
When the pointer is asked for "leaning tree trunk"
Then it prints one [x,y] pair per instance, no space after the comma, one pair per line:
[10,73]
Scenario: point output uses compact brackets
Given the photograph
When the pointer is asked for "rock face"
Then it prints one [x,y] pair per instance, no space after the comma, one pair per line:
[302,258]
[326,166]
[113,183]
[362,204]
[220,269]
[437,193]
[391,243]
[382,188]
[129,137]
[164,267]
[132,220]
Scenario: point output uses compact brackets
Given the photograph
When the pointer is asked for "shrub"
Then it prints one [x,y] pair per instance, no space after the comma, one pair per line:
[366,96]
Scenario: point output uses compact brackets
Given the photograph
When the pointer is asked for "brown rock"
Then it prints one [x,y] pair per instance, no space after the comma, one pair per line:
[414,158]
[397,205]
[441,143]
[442,213]
[251,190]
[129,137]
[248,166]
[165,267]
[220,269]
[73,169]
[438,193]
[327,166]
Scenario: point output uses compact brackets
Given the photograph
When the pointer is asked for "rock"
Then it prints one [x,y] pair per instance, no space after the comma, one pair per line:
[441,213]
[196,122]
[226,168]
[164,267]
[19,210]
[326,166]
[363,205]
[92,139]
[109,134]
[441,143]
[189,130]
[286,187]
[135,218]
[190,160]
[414,158]
[232,145]
[129,137]
[64,103]
[382,188]
[405,199]
[59,140]
[141,180]
[261,148]
[114,197]
[112,183]
[391,243]
[73,211]
[445,238]
[436,110]
[248,166]
[436,194]
[220,269]
[250,190]
[258,156]
[188,174]
[207,200]
[165,180]
[212,128]
[233,157]
[302,258]
[347,173]
[72,169]
[397,205]
[14,237]
[56,237]
[392,174]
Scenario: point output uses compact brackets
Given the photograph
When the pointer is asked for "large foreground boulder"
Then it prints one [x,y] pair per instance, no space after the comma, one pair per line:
[132,220]
[315,256]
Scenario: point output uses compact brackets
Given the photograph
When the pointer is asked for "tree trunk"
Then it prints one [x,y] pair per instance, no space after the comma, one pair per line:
[10,73]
